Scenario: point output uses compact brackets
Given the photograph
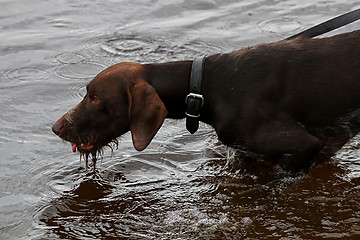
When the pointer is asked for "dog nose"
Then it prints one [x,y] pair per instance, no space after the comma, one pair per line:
[56,128]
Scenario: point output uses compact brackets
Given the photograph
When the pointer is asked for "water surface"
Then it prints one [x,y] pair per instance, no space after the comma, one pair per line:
[182,186]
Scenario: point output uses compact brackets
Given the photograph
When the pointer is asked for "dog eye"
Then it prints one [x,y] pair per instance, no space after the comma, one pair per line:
[95,99]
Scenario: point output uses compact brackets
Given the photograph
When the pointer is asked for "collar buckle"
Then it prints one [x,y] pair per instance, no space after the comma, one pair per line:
[195,96]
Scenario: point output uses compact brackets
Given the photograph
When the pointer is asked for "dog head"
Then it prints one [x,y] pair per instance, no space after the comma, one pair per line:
[118,100]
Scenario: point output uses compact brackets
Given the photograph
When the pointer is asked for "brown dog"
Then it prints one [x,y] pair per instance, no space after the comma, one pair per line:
[292,98]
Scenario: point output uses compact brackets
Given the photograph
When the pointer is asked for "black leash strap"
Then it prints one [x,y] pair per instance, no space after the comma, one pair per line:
[330,25]
[194,100]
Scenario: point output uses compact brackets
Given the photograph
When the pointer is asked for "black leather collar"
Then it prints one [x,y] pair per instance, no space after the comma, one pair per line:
[194,100]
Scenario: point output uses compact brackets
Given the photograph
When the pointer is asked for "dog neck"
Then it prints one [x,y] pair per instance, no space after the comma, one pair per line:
[171,82]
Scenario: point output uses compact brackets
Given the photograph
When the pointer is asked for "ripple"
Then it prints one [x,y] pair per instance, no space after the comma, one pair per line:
[282,25]
[27,74]
[147,48]
[124,46]
[69,58]
[76,90]
[204,47]
[79,70]
[60,23]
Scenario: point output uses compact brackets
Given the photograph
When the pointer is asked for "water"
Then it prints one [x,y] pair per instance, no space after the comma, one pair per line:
[183,186]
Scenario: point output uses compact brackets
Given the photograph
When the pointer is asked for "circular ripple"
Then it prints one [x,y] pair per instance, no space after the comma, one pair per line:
[78,91]
[69,58]
[66,91]
[283,25]
[147,48]
[27,74]
[79,70]
[120,44]
[123,46]
[201,47]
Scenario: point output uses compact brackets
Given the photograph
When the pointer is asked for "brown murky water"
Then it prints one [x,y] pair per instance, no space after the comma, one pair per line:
[183,186]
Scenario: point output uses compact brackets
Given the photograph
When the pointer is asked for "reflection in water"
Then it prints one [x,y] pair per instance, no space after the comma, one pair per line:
[77,208]
[219,199]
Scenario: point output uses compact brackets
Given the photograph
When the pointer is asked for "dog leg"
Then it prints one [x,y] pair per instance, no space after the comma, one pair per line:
[279,138]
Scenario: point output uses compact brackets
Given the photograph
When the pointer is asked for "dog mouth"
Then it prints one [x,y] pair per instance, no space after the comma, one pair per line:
[83,147]
[93,148]
[90,146]
[87,150]
[85,144]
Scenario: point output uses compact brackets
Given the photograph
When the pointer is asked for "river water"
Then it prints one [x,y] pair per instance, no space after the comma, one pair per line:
[182,186]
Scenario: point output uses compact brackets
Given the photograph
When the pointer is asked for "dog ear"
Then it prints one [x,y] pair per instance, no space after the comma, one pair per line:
[146,114]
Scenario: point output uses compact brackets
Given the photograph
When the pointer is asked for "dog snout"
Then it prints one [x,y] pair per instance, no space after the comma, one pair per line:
[59,127]
[56,128]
